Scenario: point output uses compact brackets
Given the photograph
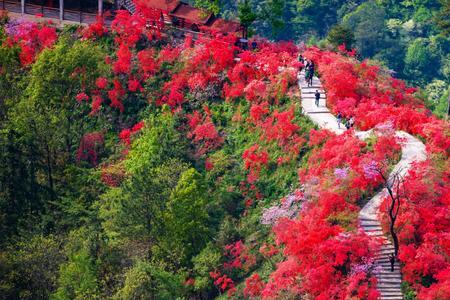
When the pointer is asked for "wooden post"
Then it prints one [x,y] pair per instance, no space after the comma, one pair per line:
[100,8]
[80,8]
[22,3]
[61,10]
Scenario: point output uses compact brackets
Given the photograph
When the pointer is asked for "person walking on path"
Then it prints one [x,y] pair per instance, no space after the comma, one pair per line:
[392,261]
[317,95]
[339,119]
[311,70]
[351,121]
[301,60]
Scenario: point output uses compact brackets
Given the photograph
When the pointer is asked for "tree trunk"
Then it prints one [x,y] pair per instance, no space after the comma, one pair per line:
[394,238]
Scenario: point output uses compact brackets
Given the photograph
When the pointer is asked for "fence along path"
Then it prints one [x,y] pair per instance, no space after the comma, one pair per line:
[413,150]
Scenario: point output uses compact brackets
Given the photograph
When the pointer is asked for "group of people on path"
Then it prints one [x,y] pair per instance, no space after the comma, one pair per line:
[310,68]
[309,74]
[348,123]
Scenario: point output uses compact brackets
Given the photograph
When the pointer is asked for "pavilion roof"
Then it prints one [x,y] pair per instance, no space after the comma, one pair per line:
[192,14]
[164,5]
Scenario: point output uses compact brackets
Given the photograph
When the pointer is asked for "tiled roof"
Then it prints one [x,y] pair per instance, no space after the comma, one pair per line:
[192,14]
[224,26]
[164,5]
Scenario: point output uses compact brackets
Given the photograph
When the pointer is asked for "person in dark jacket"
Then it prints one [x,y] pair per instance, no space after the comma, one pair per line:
[317,95]
[392,261]
[339,119]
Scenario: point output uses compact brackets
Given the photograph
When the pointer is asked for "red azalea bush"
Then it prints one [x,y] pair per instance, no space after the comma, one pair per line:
[31,37]
[423,228]
[374,97]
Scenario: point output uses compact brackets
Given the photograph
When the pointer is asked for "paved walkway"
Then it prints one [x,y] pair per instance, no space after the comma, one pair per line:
[413,150]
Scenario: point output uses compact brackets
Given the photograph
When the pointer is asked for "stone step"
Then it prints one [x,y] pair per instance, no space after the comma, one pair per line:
[312,91]
[387,266]
[387,290]
[397,292]
[375,233]
[398,295]
[391,298]
[384,252]
[369,219]
[384,260]
[390,275]
[389,280]
[374,230]
[369,224]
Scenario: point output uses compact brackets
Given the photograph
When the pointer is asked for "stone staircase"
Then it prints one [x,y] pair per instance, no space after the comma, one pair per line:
[413,150]
[389,283]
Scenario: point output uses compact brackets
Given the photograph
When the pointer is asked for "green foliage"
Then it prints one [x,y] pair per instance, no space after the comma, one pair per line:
[208,259]
[316,16]
[341,35]
[135,210]
[246,14]
[368,24]
[77,277]
[443,17]
[212,6]
[28,268]
[186,218]
[420,61]
[149,281]
[160,140]
[408,292]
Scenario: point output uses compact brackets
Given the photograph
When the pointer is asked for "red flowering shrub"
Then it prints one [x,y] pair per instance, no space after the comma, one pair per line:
[95,30]
[32,38]
[101,82]
[203,133]
[223,282]
[424,229]
[375,98]
[89,146]
[255,158]
[253,286]
[239,257]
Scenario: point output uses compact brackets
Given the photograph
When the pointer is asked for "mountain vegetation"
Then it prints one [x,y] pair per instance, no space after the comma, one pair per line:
[135,165]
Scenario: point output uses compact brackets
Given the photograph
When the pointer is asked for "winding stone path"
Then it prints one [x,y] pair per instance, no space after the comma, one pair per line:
[413,150]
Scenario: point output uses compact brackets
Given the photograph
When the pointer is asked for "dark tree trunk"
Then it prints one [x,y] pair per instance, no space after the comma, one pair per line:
[394,237]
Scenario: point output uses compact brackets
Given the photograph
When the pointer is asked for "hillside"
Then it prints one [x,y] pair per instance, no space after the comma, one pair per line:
[137,165]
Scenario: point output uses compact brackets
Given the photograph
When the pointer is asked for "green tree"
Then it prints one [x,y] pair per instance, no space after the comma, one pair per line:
[29,267]
[368,25]
[212,6]
[317,16]
[150,281]
[443,17]
[341,35]
[206,261]
[246,14]
[134,210]
[420,61]
[45,126]
[77,277]
[186,216]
